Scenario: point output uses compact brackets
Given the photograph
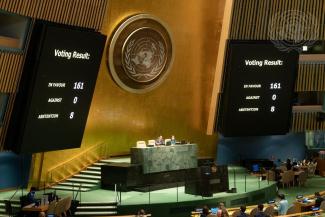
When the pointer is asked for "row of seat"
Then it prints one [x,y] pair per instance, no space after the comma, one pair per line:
[288,178]
[270,211]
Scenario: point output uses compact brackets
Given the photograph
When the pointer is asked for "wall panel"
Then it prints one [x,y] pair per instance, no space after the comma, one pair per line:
[310,78]
[84,13]
[252,18]
[302,121]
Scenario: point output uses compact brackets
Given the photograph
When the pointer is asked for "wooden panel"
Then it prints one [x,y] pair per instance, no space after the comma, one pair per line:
[302,121]
[82,13]
[252,18]
[310,78]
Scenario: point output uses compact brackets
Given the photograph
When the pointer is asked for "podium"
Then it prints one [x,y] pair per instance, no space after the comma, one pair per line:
[204,182]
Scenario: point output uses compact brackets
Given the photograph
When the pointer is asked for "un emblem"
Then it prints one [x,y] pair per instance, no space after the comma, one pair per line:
[140,53]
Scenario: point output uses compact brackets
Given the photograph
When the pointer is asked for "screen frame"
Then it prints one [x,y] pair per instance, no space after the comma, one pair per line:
[223,102]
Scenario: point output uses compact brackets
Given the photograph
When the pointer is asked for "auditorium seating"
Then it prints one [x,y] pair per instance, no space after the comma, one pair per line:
[269,210]
[287,178]
[236,213]
[292,209]
[270,175]
[253,212]
[322,206]
[51,209]
[62,206]
[67,204]
[302,178]
[311,169]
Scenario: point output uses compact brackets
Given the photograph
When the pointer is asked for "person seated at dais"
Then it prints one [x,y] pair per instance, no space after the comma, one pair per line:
[31,195]
[160,140]
[173,140]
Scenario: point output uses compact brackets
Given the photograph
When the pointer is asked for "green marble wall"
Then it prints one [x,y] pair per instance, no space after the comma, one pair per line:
[165,158]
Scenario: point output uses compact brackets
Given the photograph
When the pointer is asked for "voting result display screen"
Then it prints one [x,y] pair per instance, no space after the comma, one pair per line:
[257,90]
[56,89]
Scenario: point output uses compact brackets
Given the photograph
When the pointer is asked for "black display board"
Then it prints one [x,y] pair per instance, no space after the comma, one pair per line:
[257,89]
[55,93]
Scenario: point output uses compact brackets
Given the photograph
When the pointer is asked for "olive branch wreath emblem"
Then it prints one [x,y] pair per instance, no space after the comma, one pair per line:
[290,30]
[153,72]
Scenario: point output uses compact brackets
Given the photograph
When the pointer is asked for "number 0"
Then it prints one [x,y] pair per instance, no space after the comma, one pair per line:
[75,100]
[274,97]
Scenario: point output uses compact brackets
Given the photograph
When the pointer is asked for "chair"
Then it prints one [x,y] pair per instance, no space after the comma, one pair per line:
[269,211]
[151,142]
[24,201]
[292,176]
[51,209]
[253,212]
[168,141]
[283,168]
[141,144]
[60,208]
[270,175]
[322,205]
[302,178]
[314,168]
[67,206]
[8,208]
[311,168]
[286,178]
[292,210]
[235,213]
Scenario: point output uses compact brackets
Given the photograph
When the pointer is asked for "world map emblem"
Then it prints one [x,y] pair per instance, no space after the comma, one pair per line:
[140,54]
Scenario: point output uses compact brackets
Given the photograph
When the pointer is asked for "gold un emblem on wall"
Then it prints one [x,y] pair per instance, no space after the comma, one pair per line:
[140,53]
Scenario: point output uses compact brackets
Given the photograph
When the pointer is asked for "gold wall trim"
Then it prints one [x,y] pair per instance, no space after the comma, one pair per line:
[219,66]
